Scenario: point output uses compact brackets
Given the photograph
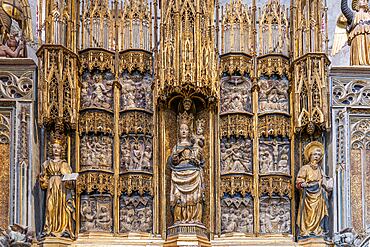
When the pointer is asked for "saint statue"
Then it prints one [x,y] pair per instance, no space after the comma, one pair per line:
[186,163]
[59,214]
[358,28]
[311,181]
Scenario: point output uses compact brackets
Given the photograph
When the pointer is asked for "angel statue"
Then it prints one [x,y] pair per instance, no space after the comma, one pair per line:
[186,164]
[59,215]
[357,23]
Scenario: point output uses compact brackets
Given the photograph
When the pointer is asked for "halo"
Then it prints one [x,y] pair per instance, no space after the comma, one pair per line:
[312,145]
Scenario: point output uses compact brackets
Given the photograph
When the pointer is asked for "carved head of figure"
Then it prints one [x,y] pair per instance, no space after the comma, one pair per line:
[363,4]
[184,131]
[57,148]
[187,104]
[185,126]
[313,153]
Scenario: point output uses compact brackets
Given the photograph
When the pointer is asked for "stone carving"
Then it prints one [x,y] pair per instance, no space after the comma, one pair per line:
[274,156]
[97,90]
[59,209]
[16,236]
[237,214]
[13,47]
[313,215]
[96,213]
[5,127]
[235,94]
[136,214]
[352,93]
[186,163]
[136,154]
[275,215]
[273,95]
[96,152]
[137,92]
[236,155]
[346,238]
[14,87]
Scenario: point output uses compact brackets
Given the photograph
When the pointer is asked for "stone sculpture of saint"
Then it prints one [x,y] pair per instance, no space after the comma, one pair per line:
[59,214]
[358,28]
[313,213]
[186,164]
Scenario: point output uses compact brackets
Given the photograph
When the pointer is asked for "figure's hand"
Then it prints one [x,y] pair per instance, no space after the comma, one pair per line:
[304,185]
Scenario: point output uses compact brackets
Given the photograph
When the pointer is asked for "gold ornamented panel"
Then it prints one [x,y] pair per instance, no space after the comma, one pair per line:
[237,184]
[96,122]
[99,181]
[274,125]
[236,124]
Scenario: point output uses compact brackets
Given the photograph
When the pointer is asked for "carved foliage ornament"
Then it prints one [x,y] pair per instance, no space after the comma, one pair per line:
[99,59]
[140,183]
[352,93]
[275,185]
[271,65]
[135,122]
[232,64]
[236,184]
[96,122]
[13,87]
[274,125]
[360,134]
[4,128]
[237,125]
[136,60]
[95,181]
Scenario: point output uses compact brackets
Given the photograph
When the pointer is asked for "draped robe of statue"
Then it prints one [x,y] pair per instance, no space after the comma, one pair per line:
[358,32]
[186,196]
[59,214]
[313,208]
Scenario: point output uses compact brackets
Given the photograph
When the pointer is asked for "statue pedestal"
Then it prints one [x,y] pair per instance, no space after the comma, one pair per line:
[314,242]
[55,242]
[187,235]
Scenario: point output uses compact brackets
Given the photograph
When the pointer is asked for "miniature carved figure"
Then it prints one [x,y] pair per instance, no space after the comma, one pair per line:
[88,217]
[59,215]
[186,164]
[16,236]
[314,184]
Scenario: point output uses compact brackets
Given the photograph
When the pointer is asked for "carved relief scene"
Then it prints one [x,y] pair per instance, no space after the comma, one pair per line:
[96,213]
[273,94]
[136,91]
[236,155]
[136,213]
[136,154]
[274,156]
[275,215]
[236,214]
[96,89]
[96,152]
[236,94]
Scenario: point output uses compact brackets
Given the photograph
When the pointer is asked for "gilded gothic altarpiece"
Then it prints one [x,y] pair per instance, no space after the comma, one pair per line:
[182,123]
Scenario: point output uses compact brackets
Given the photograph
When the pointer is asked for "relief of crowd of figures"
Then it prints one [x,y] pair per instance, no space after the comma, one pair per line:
[274,156]
[273,94]
[96,152]
[136,214]
[136,91]
[96,213]
[236,155]
[275,215]
[136,153]
[236,94]
[237,214]
[97,89]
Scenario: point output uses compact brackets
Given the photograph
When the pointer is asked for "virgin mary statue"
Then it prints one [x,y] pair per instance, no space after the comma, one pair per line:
[186,164]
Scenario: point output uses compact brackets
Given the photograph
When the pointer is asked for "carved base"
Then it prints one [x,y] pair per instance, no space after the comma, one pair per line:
[239,239]
[191,229]
[124,240]
[187,240]
[314,242]
[55,242]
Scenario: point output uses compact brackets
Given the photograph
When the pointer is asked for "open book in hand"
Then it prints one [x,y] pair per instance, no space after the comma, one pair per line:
[70,177]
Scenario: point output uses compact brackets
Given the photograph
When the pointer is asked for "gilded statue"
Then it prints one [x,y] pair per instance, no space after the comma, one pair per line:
[186,163]
[358,29]
[59,215]
[314,186]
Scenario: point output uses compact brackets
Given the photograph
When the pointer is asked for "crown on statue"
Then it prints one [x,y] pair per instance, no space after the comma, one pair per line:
[186,118]
[200,123]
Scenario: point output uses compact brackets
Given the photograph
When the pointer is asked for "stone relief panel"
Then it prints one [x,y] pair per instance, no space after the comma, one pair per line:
[96,152]
[96,213]
[136,213]
[274,156]
[236,155]
[97,89]
[236,214]
[273,94]
[136,153]
[236,94]
[14,87]
[137,91]
[355,92]
[275,215]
